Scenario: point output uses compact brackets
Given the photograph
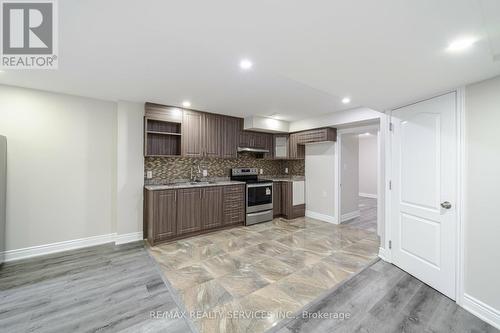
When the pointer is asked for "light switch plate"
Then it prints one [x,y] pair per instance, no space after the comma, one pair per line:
[261,171]
[286,171]
[149,174]
[205,173]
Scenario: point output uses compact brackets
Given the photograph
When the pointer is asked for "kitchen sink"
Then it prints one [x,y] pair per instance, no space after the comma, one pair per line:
[201,183]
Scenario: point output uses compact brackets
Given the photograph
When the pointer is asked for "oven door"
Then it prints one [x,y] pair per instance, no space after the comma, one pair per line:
[259,197]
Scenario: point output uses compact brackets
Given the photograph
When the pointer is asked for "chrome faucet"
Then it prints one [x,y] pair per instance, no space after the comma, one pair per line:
[195,177]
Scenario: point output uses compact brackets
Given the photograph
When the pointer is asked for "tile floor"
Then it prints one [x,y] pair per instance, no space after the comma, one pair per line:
[368,217]
[276,267]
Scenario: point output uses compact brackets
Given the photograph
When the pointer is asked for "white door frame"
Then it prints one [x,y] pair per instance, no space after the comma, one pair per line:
[460,116]
[338,172]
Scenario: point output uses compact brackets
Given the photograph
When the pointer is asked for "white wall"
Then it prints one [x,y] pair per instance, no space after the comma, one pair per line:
[61,162]
[335,119]
[264,124]
[482,193]
[320,181]
[130,168]
[349,174]
[368,151]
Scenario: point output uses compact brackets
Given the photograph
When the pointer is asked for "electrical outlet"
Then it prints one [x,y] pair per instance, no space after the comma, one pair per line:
[261,171]
[205,173]
[149,174]
[286,171]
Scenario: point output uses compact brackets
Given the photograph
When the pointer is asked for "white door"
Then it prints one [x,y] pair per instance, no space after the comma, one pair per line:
[424,219]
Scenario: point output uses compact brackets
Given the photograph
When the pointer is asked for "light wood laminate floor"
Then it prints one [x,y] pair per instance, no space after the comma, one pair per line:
[385,299]
[98,289]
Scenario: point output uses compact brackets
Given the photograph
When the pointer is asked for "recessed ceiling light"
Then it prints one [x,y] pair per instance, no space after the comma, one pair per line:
[346,100]
[246,64]
[461,44]
[186,104]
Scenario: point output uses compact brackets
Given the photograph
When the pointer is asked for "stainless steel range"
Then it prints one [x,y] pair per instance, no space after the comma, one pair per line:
[259,198]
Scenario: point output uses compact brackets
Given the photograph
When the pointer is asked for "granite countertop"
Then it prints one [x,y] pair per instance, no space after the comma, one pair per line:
[177,185]
[285,178]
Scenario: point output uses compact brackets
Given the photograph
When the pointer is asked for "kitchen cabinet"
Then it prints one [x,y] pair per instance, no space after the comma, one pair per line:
[189,210]
[268,144]
[192,123]
[277,198]
[201,134]
[280,146]
[162,215]
[317,135]
[179,213]
[288,209]
[162,130]
[296,151]
[212,135]
[172,131]
[211,207]
[231,128]
[234,204]
[249,139]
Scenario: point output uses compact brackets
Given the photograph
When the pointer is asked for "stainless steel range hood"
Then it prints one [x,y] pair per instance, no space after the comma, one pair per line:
[252,150]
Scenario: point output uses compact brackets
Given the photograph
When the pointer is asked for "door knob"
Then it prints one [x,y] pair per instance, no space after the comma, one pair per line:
[446,205]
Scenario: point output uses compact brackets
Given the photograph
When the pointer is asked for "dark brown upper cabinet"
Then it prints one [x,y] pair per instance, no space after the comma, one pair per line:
[189,210]
[295,150]
[192,123]
[212,135]
[249,139]
[163,112]
[317,135]
[231,128]
[202,134]
[211,207]
[162,130]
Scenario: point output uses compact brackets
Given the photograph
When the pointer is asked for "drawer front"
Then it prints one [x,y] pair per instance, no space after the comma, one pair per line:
[234,197]
[234,205]
[234,217]
[234,189]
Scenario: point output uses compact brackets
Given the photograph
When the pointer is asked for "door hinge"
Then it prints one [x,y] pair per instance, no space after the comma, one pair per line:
[391,127]
[390,245]
[390,184]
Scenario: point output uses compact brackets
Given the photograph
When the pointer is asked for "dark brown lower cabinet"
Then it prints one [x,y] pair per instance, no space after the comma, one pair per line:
[189,210]
[288,210]
[174,214]
[277,198]
[211,207]
[161,217]
[234,205]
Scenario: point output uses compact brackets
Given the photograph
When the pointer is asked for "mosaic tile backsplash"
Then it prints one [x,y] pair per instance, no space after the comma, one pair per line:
[167,169]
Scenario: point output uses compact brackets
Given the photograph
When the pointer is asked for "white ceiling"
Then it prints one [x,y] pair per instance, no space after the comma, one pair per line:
[307,55]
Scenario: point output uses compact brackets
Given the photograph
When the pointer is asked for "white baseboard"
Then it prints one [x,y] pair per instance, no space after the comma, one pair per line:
[367,195]
[128,238]
[35,251]
[382,254]
[482,310]
[321,217]
[39,250]
[350,215]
